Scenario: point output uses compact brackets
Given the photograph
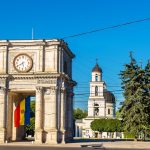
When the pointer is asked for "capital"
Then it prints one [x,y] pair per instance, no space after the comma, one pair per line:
[63,90]
[54,89]
[47,91]
[39,89]
[2,90]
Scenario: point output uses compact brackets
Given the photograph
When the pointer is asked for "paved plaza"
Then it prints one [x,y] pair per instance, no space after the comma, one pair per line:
[105,145]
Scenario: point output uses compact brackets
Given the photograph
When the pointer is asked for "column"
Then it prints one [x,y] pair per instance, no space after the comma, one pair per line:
[76,130]
[115,135]
[52,111]
[41,59]
[3,114]
[59,56]
[10,113]
[43,56]
[18,133]
[122,135]
[70,114]
[39,115]
[63,114]
[80,131]
[14,129]
[62,60]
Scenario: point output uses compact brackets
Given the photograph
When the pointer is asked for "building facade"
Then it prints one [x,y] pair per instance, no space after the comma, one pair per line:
[40,68]
[101,104]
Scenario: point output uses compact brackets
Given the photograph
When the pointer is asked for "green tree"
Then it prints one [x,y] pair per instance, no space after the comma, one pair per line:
[118,115]
[31,127]
[134,111]
[79,113]
[98,125]
[147,91]
[32,109]
[106,125]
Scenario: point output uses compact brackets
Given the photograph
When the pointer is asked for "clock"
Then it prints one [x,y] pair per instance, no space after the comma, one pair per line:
[23,63]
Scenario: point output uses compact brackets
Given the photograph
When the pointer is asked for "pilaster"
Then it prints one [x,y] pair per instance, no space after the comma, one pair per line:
[10,114]
[3,114]
[70,115]
[52,129]
[39,115]
[63,115]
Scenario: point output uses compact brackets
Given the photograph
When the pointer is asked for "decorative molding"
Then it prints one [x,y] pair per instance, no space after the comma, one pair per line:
[3,48]
[63,90]
[4,76]
[3,90]
[39,89]
[50,90]
[54,89]
[29,59]
[47,91]
[46,81]
[2,82]
[63,84]
[28,76]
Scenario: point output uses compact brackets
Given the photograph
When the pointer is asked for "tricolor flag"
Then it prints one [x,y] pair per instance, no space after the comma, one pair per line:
[22,113]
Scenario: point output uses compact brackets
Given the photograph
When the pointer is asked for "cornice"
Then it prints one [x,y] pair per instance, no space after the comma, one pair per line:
[42,75]
[64,45]
[41,42]
[4,76]
[28,76]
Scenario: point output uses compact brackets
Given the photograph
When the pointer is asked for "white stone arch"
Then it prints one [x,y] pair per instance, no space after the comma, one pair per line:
[43,80]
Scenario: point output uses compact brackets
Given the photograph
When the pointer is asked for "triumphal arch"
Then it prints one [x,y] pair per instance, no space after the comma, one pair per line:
[40,68]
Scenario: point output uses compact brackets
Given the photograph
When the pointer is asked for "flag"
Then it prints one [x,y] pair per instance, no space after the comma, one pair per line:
[27,111]
[17,116]
[22,113]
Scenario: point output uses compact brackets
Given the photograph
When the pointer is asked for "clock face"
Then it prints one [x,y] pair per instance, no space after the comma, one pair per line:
[22,63]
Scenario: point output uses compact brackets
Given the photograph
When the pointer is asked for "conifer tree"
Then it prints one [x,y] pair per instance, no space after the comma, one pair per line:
[134,111]
[147,87]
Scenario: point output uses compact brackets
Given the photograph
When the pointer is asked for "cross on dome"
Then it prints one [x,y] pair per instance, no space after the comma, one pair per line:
[97,68]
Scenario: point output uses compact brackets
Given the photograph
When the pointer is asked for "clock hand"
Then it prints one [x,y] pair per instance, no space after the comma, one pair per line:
[23,64]
[20,64]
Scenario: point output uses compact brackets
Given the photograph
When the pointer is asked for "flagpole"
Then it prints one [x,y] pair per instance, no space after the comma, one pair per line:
[32,33]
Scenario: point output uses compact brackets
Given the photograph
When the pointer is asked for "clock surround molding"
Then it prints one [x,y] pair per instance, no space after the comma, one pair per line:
[29,68]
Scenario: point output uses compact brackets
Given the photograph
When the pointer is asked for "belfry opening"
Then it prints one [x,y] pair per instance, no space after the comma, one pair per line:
[39,71]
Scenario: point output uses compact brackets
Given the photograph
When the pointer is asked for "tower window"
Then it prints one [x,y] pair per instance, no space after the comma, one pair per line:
[96,77]
[108,111]
[96,91]
[96,109]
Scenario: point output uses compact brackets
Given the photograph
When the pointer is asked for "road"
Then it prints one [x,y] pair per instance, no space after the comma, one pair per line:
[54,148]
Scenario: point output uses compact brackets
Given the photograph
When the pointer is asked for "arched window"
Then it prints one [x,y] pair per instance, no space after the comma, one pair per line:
[65,67]
[108,111]
[96,77]
[96,90]
[96,109]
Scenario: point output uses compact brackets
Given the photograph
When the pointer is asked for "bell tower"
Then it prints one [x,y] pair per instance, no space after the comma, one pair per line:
[96,102]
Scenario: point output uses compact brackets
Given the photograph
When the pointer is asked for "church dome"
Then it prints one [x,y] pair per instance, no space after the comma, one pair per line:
[97,68]
[109,97]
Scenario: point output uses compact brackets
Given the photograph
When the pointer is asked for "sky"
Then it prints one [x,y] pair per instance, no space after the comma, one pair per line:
[61,18]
